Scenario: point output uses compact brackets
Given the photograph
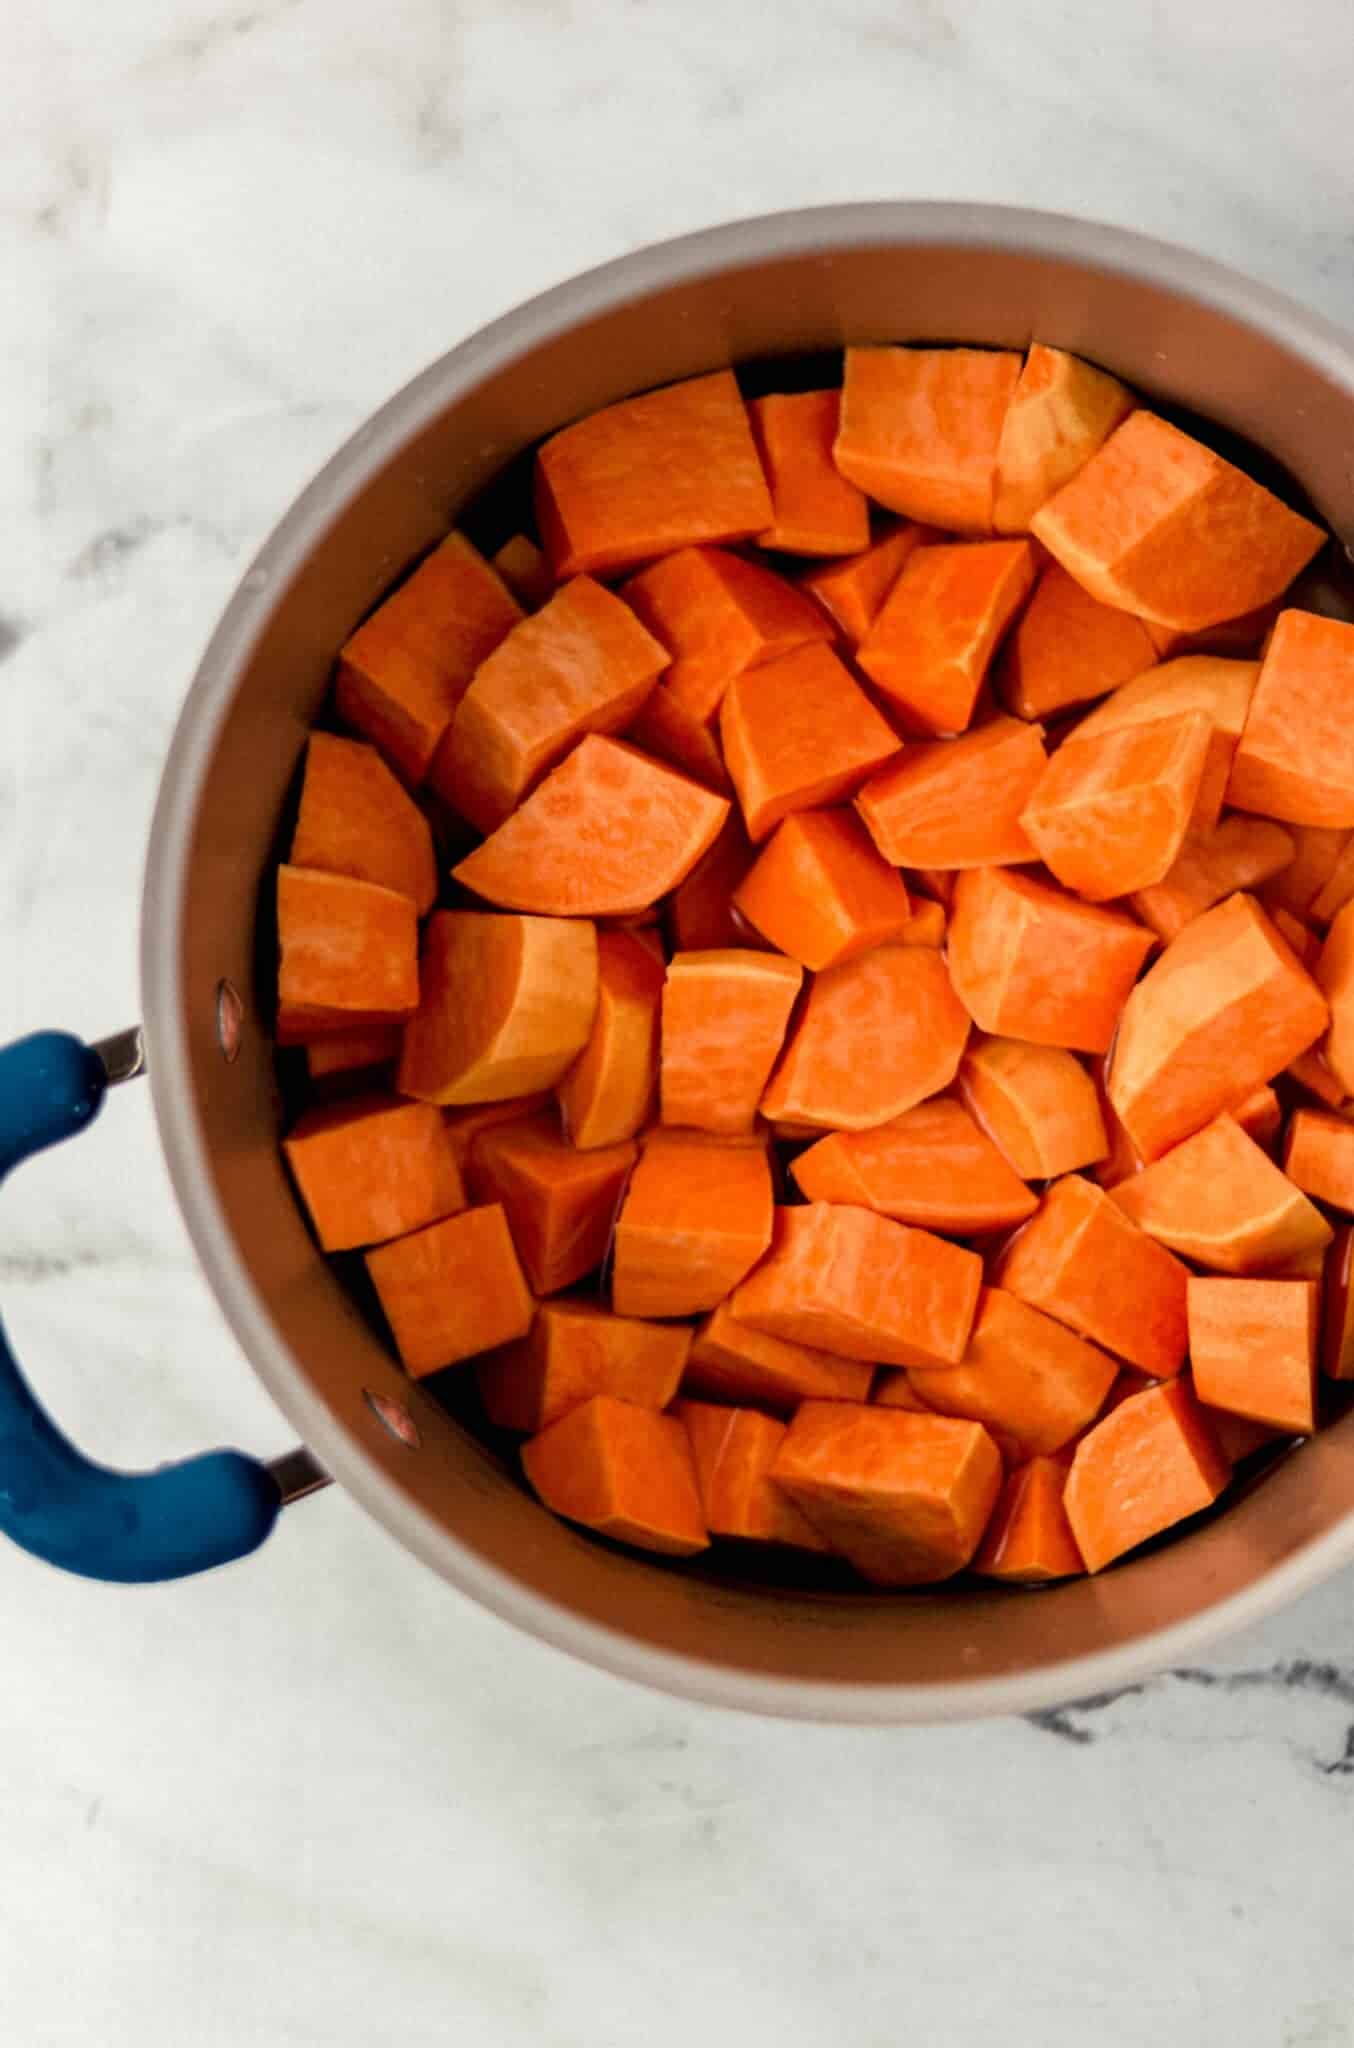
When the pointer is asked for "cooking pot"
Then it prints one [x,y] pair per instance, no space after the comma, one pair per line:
[1180,329]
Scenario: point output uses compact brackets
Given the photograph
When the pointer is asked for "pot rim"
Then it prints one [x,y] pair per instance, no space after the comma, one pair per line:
[811,231]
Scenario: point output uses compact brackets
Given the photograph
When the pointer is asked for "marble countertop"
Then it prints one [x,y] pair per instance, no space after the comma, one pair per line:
[319,1799]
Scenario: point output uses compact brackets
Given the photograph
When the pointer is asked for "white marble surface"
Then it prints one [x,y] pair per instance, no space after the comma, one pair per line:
[317,1799]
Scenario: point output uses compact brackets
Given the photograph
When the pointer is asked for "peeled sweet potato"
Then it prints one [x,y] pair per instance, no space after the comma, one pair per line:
[1318,851]
[957,803]
[348,954]
[730,1361]
[724,1017]
[607,1092]
[576,1349]
[696,1217]
[930,1166]
[624,1471]
[1239,853]
[1252,1347]
[1152,1461]
[669,732]
[733,1450]
[1319,1158]
[372,1168]
[821,893]
[1061,411]
[700,910]
[560,1203]
[1295,759]
[1218,1199]
[817,510]
[1037,1104]
[452,1289]
[717,615]
[356,819]
[1067,648]
[524,569]
[507,1005]
[797,733]
[920,429]
[928,651]
[1023,1374]
[852,592]
[1029,1539]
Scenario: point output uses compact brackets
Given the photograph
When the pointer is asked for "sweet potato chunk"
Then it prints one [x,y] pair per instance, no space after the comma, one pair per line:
[356,819]
[451,1290]
[1061,412]
[606,1094]
[1037,1104]
[797,733]
[560,1203]
[666,470]
[1151,1462]
[1337,1306]
[717,615]
[1029,1538]
[1082,1261]
[372,1168]
[507,1005]
[852,592]
[733,1450]
[1252,1346]
[1023,1374]
[904,1497]
[624,1471]
[1110,813]
[1239,853]
[1067,648]
[846,1280]
[353,1052]
[524,569]
[1335,977]
[817,510]
[1295,759]
[463,1126]
[700,912]
[920,429]
[930,1166]
[1218,1199]
[1319,1158]
[582,664]
[730,1361]
[1031,962]
[1219,689]
[607,833]
[348,954]
[669,732]
[1318,851]
[724,1020]
[1226,1007]
[405,669]
[874,1036]
[926,926]
[573,1350]
[696,1217]
[957,803]
[820,892]
[928,651]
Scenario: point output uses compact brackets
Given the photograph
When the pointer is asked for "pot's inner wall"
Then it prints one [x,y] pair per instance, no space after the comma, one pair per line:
[453,1497]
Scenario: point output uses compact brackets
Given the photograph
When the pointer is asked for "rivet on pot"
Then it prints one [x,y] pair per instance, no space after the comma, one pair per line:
[229,1020]
[395,1417]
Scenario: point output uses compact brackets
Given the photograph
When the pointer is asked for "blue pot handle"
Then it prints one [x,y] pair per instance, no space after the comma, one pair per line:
[54,1502]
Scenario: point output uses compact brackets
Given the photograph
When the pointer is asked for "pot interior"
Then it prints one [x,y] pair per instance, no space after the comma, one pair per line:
[450,443]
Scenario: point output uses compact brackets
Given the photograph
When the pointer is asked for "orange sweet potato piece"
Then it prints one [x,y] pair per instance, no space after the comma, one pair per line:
[524,569]
[817,511]
[928,651]
[573,1350]
[1252,1346]
[1151,1462]
[920,430]
[846,1280]
[1243,636]
[957,803]
[799,732]
[1337,1306]
[1319,1157]
[667,730]
[507,1005]
[700,911]
[874,1036]
[1061,412]
[852,592]
[1123,1157]
[904,1497]
[724,1020]
[1318,851]
[1226,1007]
[1037,1104]
[1084,1262]
[352,1052]
[894,1389]
[1110,813]
[348,954]
[730,1361]
[1335,976]
[717,615]
[821,893]
[1305,942]
[1259,1115]
[1029,1539]
[582,664]
[372,1168]
[463,1126]
[1067,648]
[1338,887]
[404,670]
[1237,854]
[1218,1199]
[452,1289]
[733,1450]
[607,1093]
[1023,1374]
[930,1166]
[560,1204]
[1032,962]
[1295,760]
[1312,1073]
[926,926]
[356,819]
[1238,1436]
[624,1471]
[696,1217]
[1159,524]
[1219,690]
[608,832]
[666,470]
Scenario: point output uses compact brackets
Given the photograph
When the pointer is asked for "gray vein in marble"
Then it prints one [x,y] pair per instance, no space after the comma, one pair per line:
[1324,1680]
